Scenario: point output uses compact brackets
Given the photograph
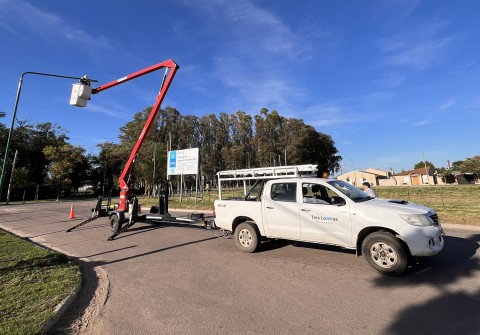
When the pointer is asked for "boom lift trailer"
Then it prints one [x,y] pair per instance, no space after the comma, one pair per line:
[128,208]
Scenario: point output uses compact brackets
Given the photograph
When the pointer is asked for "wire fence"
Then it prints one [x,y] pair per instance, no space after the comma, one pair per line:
[454,204]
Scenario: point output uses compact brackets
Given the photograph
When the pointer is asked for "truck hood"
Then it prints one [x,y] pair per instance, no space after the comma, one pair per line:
[399,206]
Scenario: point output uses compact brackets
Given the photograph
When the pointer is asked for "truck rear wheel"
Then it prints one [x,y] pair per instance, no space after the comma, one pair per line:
[385,253]
[246,237]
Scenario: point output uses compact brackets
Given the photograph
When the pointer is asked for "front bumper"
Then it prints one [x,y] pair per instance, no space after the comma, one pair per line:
[423,241]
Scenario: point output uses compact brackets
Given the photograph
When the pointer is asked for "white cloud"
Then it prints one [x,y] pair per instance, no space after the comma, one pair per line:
[401,8]
[17,15]
[253,90]
[421,123]
[417,55]
[327,115]
[112,109]
[249,27]
[475,103]
[447,104]
[417,48]
[250,62]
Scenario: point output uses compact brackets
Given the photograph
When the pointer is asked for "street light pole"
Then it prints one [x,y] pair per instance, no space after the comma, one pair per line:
[17,99]
[354,172]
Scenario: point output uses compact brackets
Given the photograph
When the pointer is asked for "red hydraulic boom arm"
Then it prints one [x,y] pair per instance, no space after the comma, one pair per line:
[170,70]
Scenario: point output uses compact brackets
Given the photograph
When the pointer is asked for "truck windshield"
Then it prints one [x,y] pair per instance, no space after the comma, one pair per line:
[350,191]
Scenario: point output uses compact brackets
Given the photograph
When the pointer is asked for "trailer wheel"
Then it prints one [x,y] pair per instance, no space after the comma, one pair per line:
[385,253]
[115,224]
[246,237]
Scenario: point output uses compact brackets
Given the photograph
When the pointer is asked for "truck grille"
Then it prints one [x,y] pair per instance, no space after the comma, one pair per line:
[434,218]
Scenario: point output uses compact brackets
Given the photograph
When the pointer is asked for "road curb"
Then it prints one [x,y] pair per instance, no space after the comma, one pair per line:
[62,307]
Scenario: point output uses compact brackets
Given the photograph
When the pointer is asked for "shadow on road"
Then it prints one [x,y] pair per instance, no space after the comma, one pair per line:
[155,251]
[148,226]
[278,244]
[453,311]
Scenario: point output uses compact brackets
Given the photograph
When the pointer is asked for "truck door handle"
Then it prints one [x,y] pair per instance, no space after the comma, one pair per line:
[269,207]
[305,210]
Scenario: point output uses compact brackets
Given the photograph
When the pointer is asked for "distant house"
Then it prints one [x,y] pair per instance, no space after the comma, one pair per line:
[357,178]
[416,177]
[466,178]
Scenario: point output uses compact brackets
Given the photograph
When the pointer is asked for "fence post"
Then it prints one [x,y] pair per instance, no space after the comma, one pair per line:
[441,196]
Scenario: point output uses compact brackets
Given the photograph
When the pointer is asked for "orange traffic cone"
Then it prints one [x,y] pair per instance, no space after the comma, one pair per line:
[72,213]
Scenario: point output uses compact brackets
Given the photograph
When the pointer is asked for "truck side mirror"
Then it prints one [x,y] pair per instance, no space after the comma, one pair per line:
[339,201]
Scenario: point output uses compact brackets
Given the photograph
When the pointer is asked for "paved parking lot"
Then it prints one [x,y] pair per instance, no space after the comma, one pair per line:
[174,279]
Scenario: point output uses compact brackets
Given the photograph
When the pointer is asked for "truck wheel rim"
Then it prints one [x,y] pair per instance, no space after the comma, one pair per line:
[383,255]
[245,238]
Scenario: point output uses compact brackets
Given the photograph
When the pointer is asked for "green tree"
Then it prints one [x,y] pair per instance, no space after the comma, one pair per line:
[471,165]
[63,160]
[22,180]
[209,158]
[326,154]
[226,141]
[456,165]
[3,133]
[422,164]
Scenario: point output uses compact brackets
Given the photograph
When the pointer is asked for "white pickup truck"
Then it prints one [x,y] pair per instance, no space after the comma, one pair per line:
[288,203]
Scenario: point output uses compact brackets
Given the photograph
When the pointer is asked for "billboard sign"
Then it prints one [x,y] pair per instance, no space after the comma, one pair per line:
[182,162]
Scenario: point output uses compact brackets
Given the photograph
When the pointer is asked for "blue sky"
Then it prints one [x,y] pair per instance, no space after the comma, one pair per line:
[387,80]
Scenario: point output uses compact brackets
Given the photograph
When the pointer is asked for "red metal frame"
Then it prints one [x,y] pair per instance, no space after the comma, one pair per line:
[125,190]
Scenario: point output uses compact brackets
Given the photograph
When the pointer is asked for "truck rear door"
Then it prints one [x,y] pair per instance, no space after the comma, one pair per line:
[281,210]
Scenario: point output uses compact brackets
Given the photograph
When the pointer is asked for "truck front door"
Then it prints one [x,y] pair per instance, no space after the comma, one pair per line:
[281,210]
[320,219]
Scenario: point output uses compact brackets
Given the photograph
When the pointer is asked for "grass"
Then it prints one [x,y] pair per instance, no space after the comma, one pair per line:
[33,281]
[454,204]
[457,204]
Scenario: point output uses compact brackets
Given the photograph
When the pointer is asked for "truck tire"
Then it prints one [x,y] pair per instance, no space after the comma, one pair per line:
[385,253]
[115,224]
[246,237]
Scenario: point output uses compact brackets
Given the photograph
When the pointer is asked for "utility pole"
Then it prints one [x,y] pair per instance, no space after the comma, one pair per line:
[153,176]
[11,176]
[425,164]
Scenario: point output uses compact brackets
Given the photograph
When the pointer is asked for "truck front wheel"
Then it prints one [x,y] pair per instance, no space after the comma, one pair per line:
[385,253]
[246,237]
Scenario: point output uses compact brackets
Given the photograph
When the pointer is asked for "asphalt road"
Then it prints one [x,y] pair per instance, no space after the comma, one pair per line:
[174,279]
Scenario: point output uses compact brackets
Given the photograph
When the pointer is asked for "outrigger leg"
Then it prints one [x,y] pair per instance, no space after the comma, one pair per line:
[95,215]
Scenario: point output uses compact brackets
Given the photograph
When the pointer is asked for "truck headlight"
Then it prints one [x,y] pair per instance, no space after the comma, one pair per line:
[417,219]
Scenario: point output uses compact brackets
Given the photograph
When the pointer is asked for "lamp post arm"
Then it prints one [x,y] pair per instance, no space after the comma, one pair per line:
[17,99]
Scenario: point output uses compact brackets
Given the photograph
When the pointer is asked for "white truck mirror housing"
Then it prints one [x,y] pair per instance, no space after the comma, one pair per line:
[80,94]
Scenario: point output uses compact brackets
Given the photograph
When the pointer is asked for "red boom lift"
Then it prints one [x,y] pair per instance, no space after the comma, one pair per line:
[128,203]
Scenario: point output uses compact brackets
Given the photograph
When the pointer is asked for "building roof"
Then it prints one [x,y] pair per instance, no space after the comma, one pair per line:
[366,172]
[414,171]
[377,172]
